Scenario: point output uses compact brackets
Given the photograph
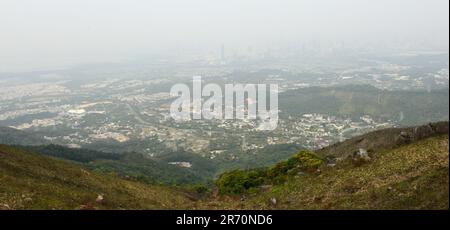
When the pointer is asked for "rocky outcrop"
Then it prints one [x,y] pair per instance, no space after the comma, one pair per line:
[100,199]
[430,129]
[440,127]
[423,131]
[361,154]
[384,139]
[273,201]
[404,137]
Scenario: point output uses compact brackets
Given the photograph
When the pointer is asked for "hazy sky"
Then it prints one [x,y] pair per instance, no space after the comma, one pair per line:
[38,34]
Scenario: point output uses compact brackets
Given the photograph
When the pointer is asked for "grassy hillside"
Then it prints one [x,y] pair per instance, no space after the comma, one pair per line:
[32,181]
[132,165]
[413,176]
[411,173]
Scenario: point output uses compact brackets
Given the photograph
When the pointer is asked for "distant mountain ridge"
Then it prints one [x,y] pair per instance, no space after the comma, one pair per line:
[407,108]
[11,136]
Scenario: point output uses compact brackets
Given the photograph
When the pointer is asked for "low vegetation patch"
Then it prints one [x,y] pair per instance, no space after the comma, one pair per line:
[244,181]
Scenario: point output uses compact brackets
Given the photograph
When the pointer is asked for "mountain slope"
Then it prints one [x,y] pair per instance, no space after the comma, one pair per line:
[412,176]
[384,139]
[32,181]
[396,175]
[133,165]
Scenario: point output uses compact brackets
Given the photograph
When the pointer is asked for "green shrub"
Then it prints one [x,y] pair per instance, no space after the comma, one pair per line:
[241,181]
[306,160]
[303,161]
[232,182]
[200,189]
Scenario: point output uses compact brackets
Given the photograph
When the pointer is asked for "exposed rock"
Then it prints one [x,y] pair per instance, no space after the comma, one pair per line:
[361,154]
[100,199]
[404,138]
[424,131]
[338,159]
[273,201]
[405,135]
[440,127]
[330,162]
[318,171]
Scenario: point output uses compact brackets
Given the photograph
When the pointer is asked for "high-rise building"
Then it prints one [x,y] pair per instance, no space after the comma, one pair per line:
[222,52]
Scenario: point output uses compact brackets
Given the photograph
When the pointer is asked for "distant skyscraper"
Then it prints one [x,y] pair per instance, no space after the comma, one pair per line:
[222,52]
